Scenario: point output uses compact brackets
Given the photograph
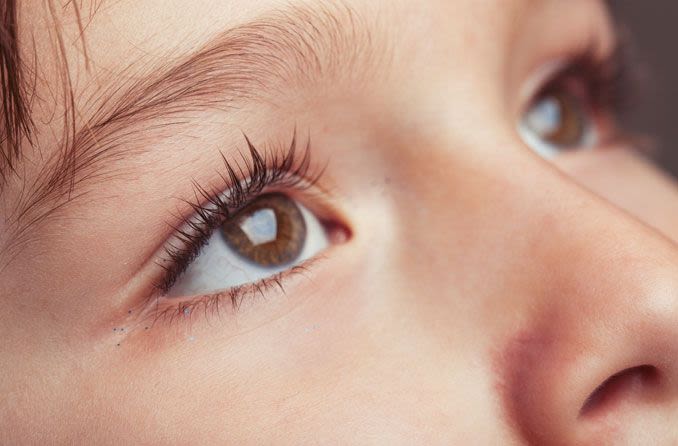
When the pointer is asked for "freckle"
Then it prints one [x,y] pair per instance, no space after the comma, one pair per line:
[117,345]
[115,329]
[129,311]
[145,328]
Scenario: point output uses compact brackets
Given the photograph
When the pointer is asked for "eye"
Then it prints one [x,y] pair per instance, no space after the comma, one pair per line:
[269,235]
[577,108]
[558,120]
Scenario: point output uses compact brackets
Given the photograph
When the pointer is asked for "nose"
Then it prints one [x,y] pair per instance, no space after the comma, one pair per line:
[598,361]
[583,297]
[595,360]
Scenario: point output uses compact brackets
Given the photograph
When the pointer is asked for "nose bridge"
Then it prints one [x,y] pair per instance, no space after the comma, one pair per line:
[517,215]
[575,290]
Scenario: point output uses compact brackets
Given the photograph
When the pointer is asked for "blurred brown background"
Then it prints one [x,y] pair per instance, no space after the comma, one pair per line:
[653,28]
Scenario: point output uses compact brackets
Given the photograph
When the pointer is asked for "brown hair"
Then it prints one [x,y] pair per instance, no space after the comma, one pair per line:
[16,123]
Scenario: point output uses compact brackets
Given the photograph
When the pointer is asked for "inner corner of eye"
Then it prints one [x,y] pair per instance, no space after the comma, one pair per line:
[337,233]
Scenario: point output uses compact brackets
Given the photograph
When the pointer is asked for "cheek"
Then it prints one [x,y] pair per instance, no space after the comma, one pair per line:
[628,181]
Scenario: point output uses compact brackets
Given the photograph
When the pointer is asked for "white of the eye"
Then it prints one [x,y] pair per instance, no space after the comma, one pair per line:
[218,268]
[261,227]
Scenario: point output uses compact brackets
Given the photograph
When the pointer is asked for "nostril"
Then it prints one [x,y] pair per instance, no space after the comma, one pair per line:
[634,383]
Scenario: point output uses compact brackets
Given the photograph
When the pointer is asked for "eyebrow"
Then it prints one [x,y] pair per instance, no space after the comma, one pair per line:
[295,46]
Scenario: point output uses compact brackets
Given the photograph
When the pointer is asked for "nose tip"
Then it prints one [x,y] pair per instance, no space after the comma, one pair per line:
[599,367]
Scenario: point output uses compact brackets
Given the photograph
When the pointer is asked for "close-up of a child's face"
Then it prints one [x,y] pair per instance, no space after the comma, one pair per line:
[332,222]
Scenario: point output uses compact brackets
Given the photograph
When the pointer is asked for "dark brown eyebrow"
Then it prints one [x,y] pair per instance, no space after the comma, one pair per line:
[291,47]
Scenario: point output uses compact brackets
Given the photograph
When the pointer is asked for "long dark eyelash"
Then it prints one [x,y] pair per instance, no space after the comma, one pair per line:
[610,81]
[245,180]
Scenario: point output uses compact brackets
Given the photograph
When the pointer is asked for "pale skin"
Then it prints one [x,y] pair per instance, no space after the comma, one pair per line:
[479,294]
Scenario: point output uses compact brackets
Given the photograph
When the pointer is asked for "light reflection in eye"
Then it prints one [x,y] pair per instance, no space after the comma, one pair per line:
[557,121]
[260,227]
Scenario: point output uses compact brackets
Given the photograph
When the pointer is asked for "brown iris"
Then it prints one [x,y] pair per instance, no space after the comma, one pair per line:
[566,126]
[269,232]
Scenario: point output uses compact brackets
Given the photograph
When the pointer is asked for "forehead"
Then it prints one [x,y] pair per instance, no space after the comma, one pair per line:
[117,32]
[104,42]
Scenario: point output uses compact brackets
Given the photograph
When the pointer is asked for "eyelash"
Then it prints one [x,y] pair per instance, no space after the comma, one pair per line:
[210,303]
[280,168]
[609,82]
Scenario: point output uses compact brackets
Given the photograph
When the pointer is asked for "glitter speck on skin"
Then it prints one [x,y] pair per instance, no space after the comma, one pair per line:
[187,311]
[311,328]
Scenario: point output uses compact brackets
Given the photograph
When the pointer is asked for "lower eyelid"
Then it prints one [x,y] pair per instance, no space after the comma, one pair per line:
[227,303]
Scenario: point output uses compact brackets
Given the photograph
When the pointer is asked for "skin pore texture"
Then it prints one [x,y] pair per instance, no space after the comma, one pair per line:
[479,294]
